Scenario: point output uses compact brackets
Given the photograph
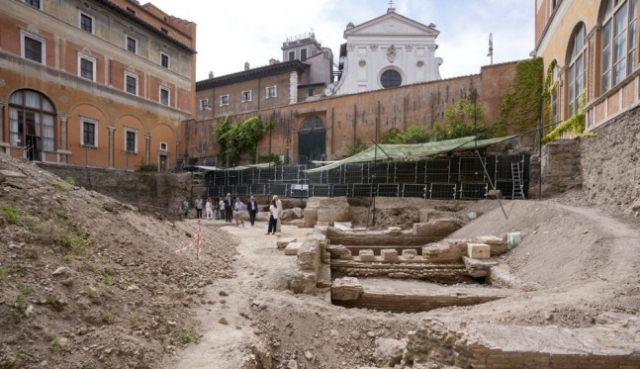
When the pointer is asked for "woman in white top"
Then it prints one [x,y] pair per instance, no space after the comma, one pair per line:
[238,207]
[273,219]
[221,206]
[209,209]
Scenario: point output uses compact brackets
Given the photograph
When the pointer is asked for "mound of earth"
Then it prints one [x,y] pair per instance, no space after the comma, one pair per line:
[87,282]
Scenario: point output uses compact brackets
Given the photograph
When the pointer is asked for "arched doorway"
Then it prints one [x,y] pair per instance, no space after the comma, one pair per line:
[32,123]
[311,140]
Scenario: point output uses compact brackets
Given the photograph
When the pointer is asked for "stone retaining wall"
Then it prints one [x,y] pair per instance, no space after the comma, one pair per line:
[610,163]
[161,193]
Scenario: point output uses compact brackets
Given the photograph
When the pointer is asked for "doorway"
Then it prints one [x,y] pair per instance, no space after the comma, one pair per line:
[164,163]
[311,140]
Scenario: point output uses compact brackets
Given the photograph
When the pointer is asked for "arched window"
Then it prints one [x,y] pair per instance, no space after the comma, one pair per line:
[576,69]
[391,78]
[619,35]
[31,122]
[554,97]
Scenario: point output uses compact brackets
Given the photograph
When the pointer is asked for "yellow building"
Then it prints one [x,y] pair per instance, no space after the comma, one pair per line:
[594,44]
[101,83]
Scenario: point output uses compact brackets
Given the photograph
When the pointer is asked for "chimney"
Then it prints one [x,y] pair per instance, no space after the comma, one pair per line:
[210,74]
[246,66]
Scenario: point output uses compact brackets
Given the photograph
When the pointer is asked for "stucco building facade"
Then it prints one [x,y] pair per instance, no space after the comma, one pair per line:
[595,47]
[388,51]
[101,83]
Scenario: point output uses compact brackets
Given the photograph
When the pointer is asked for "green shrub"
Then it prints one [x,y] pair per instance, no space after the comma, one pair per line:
[10,214]
[148,168]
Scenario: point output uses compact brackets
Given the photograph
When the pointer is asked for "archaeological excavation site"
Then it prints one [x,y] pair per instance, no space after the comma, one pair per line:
[350,282]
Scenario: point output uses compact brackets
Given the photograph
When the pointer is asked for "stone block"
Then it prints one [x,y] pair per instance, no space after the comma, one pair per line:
[309,256]
[389,255]
[409,253]
[346,289]
[498,244]
[494,194]
[478,268]
[292,248]
[438,227]
[478,251]
[283,242]
[324,276]
[310,218]
[366,255]
[345,226]
[339,252]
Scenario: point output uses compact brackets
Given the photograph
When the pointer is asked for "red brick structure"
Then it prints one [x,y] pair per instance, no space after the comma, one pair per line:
[359,117]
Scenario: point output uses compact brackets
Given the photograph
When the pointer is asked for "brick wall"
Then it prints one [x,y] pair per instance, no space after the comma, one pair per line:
[364,116]
[411,303]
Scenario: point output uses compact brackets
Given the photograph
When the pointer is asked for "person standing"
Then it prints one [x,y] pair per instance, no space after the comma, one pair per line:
[273,218]
[228,208]
[216,207]
[252,206]
[199,207]
[221,207]
[237,212]
[185,208]
[279,206]
[209,209]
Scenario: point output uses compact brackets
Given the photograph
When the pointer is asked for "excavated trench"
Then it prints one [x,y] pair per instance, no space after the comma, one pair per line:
[407,271]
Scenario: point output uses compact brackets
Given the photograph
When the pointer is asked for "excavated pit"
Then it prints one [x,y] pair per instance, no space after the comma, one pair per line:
[408,271]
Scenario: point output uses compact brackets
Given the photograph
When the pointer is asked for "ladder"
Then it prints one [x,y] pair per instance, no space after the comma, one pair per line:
[516,176]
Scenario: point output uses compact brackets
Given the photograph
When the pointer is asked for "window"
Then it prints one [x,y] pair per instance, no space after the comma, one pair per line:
[271,91]
[31,122]
[246,96]
[89,132]
[35,3]
[165,31]
[131,11]
[554,98]
[619,35]
[391,78]
[164,96]
[224,100]
[303,55]
[164,60]
[204,104]
[86,23]
[292,55]
[310,92]
[576,69]
[131,83]
[87,68]
[163,146]
[33,47]
[130,141]
[131,44]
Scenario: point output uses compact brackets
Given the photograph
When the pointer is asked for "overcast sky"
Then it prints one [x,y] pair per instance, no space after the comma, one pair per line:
[231,33]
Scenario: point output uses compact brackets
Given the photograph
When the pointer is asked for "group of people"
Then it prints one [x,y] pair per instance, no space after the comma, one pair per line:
[225,208]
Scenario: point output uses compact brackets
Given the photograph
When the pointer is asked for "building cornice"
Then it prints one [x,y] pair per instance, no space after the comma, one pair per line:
[147,26]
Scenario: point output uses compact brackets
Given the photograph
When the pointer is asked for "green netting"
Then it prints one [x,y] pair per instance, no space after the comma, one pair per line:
[243,167]
[404,151]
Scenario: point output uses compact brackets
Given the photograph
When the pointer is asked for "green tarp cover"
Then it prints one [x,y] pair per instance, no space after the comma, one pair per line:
[249,166]
[398,152]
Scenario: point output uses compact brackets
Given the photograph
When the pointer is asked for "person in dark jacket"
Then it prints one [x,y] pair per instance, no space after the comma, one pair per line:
[252,207]
[228,208]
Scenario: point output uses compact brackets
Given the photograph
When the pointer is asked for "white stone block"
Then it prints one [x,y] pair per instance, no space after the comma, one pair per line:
[292,248]
[409,253]
[479,251]
[366,255]
[283,242]
[389,255]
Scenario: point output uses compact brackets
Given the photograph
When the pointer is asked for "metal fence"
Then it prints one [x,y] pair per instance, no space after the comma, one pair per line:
[455,178]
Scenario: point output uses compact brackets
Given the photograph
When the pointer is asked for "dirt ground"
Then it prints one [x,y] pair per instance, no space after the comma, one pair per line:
[86,282]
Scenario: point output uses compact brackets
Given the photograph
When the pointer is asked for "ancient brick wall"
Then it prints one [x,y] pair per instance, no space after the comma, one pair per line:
[363,117]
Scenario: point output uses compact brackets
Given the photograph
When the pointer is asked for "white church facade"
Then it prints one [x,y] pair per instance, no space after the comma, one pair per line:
[385,52]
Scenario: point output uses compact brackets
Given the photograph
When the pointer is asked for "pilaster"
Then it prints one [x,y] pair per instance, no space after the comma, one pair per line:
[63,118]
[111,134]
[147,147]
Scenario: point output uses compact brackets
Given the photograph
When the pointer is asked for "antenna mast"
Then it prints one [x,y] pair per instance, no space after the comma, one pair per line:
[490,54]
